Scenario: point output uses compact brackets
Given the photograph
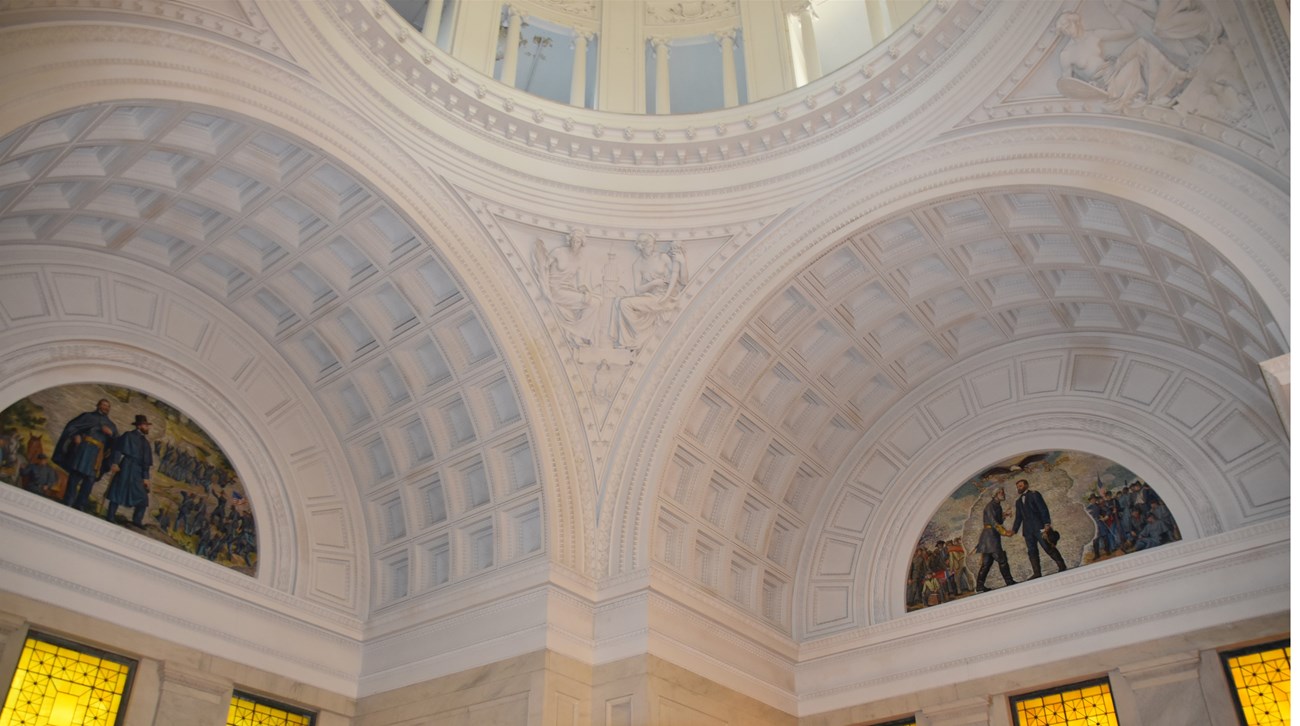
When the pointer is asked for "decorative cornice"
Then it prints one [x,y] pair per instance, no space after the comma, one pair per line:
[250,31]
[226,596]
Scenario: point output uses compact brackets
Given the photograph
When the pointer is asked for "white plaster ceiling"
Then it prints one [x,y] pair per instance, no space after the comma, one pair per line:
[414,384]
[901,303]
[327,272]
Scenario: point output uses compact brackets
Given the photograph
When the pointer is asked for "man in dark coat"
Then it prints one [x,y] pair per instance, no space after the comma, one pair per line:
[1031,511]
[132,459]
[83,450]
[990,544]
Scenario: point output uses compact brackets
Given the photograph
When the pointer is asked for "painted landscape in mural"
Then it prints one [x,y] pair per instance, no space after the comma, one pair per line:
[134,460]
[1031,516]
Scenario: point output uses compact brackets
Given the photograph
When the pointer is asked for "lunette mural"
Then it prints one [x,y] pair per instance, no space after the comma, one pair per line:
[134,460]
[1030,516]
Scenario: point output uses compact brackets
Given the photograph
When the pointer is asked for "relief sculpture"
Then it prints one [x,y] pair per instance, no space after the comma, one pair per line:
[658,279]
[599,305]
[608,303]
[1165,53]
[566,278]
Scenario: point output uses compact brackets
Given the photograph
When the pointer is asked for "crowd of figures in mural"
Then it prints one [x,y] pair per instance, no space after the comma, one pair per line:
[1072,507]
[70,444]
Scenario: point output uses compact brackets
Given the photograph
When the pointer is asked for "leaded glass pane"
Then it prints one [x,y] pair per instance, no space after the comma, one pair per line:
[246,710]
[59,683]
[1261,679]
[1084,704]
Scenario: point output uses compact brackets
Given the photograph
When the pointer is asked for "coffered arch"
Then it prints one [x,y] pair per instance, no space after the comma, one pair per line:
[406,214]
[927,261]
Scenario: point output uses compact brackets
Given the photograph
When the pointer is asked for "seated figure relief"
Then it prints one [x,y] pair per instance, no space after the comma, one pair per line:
[597,306]
[1166,53]
[658,280]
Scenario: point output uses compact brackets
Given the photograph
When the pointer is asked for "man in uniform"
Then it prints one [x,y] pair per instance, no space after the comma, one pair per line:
[132,459]
[83,450]
[1032,512]
[990,544]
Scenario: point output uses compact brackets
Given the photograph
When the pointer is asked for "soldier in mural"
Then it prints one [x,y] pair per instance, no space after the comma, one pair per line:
[132,461]
[82,451]
[181,487]
[1078,508]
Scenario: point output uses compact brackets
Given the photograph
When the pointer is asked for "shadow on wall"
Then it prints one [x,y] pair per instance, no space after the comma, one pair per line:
[102,448]
[1053,509]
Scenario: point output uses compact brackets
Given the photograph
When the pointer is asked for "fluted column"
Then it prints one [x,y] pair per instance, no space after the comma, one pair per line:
[730,94]
[662,104]
[510,62]
[432,17]
[578,86]
[880,20]
[811,62]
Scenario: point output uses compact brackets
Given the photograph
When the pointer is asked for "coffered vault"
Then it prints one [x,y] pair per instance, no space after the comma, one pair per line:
[320,236]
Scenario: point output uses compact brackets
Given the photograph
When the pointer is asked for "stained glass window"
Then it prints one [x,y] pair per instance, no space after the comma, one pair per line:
[1081,704]
[1261,683]
[60,683]
[248,710]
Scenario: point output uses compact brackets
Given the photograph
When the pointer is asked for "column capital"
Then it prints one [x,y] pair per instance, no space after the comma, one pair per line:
[514,13]
[728,34]
[660,42]
[797,7]
[585,35]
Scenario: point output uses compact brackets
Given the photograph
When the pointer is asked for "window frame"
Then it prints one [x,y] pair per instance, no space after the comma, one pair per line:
[1014,700]
[1239,710]
[257,698]
[131,665]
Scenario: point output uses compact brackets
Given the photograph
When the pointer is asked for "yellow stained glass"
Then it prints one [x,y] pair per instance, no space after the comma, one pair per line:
[1263,683]
[246,711]
[1085,705]
[58,684]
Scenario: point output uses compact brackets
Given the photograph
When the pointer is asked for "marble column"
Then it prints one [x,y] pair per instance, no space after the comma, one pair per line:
[432,17]
[662,103]
[730,92]
[880,20]
[812,63]
[13,636]
[1165,691]
[578,85]
[191,697]
[510,62]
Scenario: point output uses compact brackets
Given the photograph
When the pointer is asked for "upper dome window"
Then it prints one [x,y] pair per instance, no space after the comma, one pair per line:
[656,56]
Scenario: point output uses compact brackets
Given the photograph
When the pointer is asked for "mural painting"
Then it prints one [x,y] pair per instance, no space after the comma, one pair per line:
[1034,515]
[124,456]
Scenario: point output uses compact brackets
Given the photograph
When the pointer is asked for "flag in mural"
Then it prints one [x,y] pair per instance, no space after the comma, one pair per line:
[136,461]
[1031,516]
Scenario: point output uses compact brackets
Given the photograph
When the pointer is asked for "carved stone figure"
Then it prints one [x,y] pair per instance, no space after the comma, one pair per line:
[1141,73]
[689,11]
[1218,90]
[1169,53]
[564,274]
[658,279]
